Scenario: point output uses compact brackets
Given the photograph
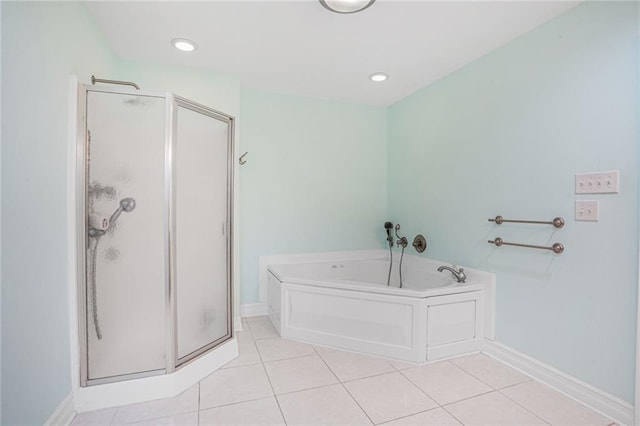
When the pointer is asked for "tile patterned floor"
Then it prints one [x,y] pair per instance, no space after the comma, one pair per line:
[281,382]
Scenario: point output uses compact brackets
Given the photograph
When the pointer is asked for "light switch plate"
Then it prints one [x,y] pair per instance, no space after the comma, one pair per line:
[598,183]
[587,210]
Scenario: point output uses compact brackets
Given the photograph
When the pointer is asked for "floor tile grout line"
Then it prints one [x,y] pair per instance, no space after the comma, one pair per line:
[370,377]
[240,365]
[378,375]
[308,389]
[263,337]
[421,390]
[525,408]
[273,391]
[408,380]
[357,403]
[452,415]
[237,403]
[452,361]
[407,416]
[581,404]
[359,378]
[463,399]
[261,357]
[328,366]
[517,384]
[444,406]
[345,388]
[275,336]
[248,328]
[468,398]
[253,342]
[289,359]
[407,368]
[273,395]
[487,393]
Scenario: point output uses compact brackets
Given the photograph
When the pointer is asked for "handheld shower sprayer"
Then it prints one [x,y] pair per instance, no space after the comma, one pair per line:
[388,226]
[126,205]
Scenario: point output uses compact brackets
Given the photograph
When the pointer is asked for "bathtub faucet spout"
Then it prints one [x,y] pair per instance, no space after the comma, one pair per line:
[459,274]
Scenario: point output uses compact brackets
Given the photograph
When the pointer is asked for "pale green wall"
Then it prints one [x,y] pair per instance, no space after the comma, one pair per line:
[0,217]
[315,178]
[43,44]
[215,90]
[505,135]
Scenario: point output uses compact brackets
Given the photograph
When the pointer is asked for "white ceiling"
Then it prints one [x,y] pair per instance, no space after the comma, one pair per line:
[299,47]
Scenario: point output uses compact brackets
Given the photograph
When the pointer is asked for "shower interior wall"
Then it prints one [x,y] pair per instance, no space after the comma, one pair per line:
[323,175]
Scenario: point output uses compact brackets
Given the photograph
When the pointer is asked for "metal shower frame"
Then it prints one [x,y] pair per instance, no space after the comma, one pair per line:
[172,102]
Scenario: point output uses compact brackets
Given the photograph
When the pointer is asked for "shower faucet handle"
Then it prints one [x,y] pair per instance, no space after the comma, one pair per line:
[419,243]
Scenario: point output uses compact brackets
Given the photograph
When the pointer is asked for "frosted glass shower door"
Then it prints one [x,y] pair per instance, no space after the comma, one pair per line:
[202,208]
[125,235]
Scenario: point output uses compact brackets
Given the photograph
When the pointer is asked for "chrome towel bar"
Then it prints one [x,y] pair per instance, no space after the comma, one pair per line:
[558,222]
[557,248]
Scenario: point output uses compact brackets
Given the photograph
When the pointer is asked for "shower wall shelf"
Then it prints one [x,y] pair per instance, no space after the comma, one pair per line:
[557,222]
[557,248]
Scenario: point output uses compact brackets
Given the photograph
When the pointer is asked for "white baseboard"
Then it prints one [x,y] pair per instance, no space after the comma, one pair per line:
[606,404]
[237,323]
[64,413]
[253,310]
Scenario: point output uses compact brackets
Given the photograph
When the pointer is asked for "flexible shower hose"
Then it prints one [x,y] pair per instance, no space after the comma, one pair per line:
[390,265]
[93,294]
[400,267]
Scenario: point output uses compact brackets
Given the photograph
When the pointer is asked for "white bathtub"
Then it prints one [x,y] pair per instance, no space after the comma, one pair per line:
[347,304]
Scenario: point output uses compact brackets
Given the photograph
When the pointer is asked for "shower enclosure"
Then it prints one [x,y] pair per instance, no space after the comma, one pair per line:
[154,232]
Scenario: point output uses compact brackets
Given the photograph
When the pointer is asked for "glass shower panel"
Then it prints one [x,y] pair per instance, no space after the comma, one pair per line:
[202,285]
[125,283]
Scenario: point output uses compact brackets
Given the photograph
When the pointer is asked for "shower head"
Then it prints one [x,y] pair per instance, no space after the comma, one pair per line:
[128,204]
[388,225]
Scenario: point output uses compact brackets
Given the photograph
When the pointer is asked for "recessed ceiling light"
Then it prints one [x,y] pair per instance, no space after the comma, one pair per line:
[379,76]
[184,44]
[346,6]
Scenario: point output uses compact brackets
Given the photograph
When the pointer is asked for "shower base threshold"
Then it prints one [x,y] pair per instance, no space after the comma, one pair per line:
[100,396]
